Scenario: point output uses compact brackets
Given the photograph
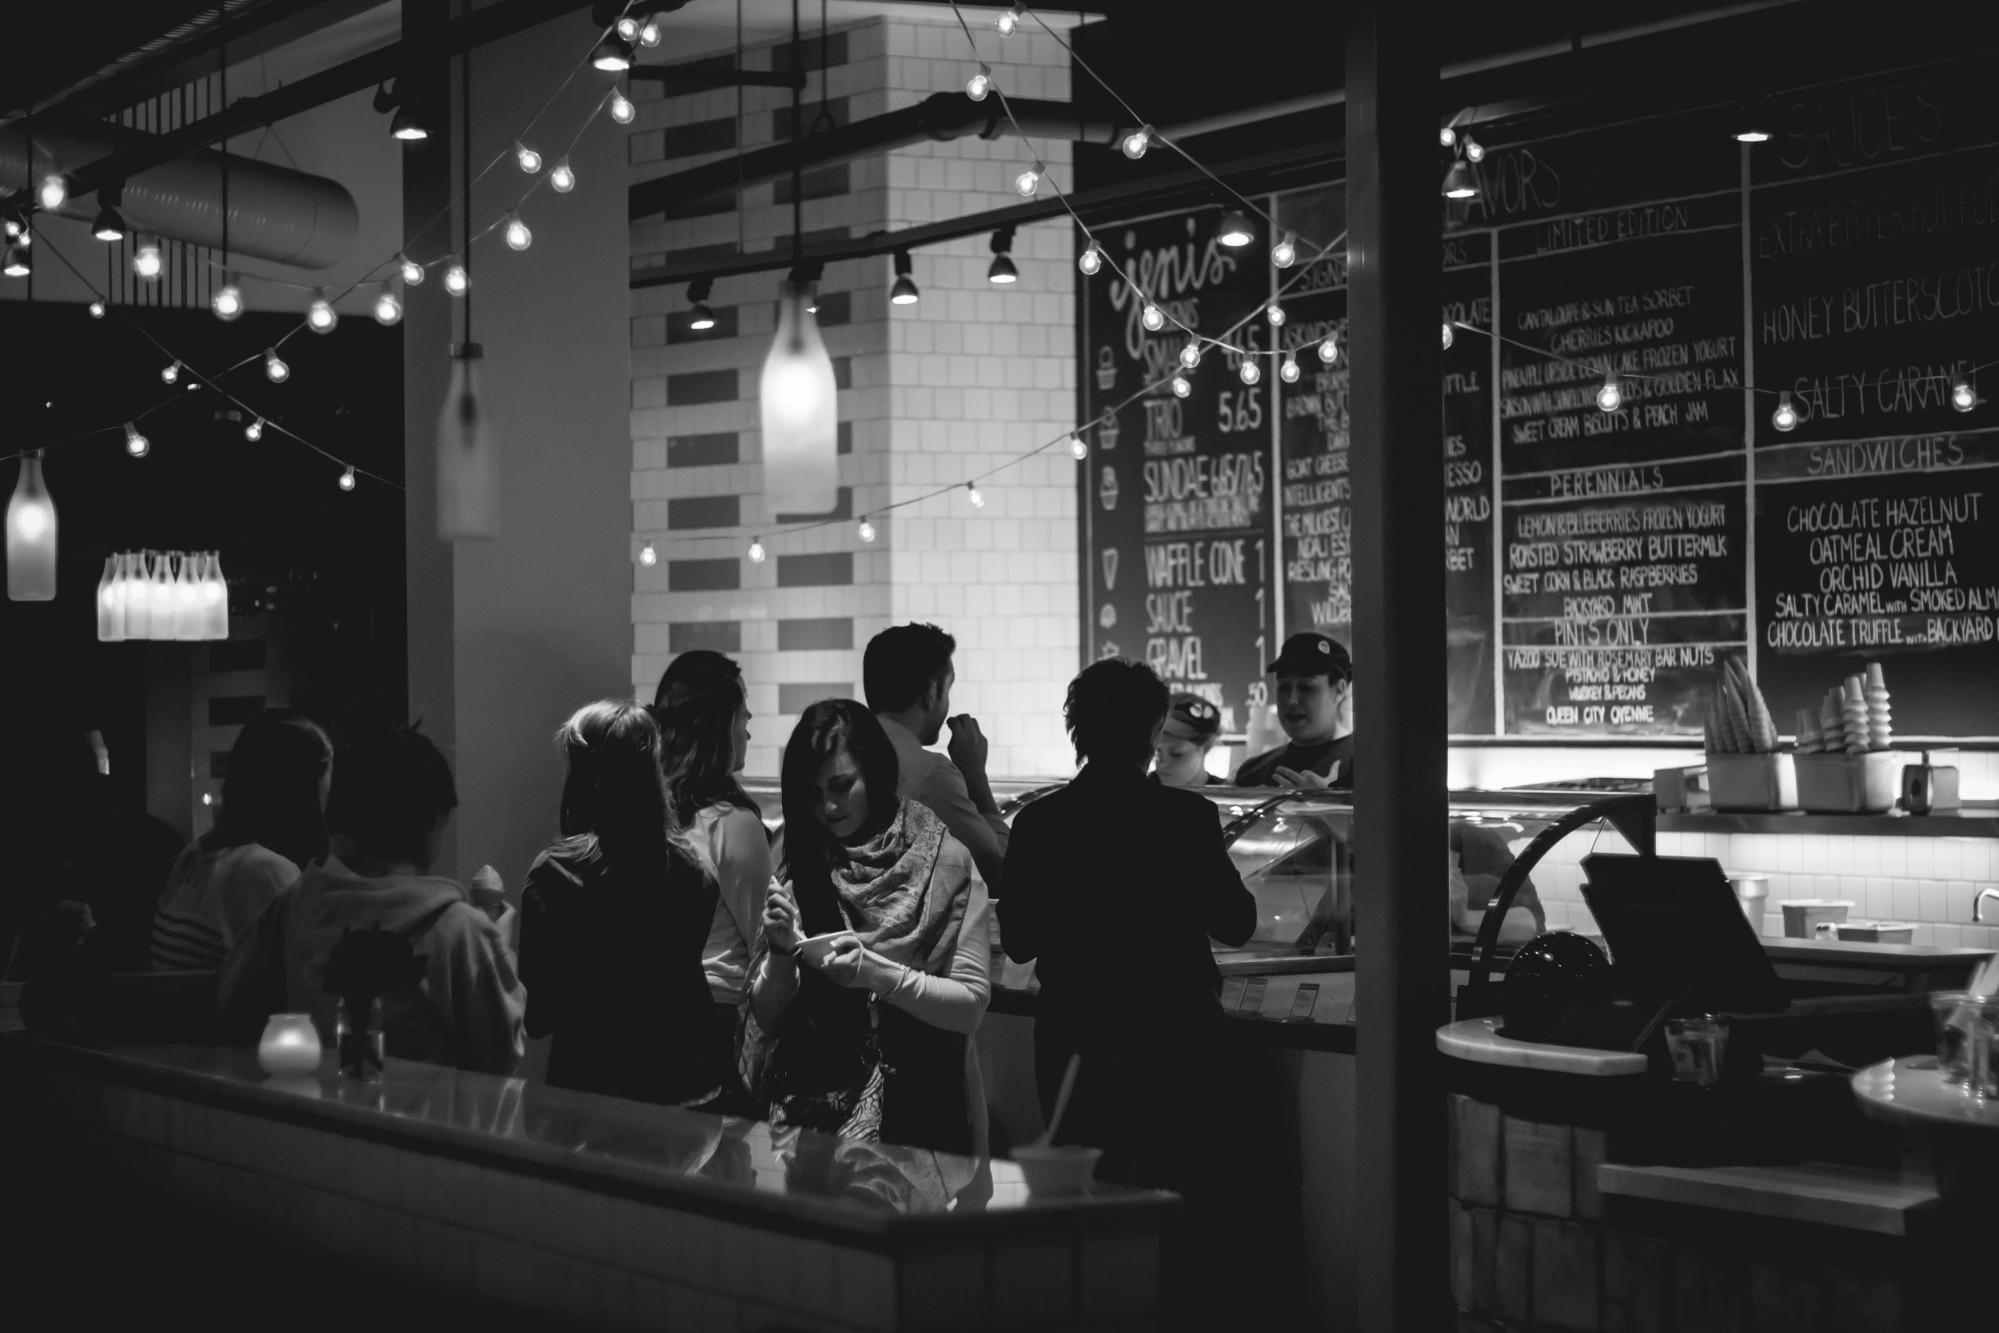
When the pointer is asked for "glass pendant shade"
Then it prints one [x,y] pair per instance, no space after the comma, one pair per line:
[187,598]
[111,600]
[135,596]
[468,465]
[163,599]
[800,412]
[31,536]
[214,598]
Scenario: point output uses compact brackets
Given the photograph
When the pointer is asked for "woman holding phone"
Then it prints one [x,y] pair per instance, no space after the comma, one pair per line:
[869,974]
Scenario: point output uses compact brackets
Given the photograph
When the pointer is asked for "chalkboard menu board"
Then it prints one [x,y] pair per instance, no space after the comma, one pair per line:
[1177,504]
[1599,562]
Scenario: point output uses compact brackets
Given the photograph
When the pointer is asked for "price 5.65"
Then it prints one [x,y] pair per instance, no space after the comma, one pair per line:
[1240,410]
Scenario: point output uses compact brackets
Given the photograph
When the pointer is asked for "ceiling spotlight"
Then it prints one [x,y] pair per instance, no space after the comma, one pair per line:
[17,264]
[527,158]
[227,302]
[1135,143]
[319,316]
[146,260]
[1002,270]
[613,55]
[980,84]
[53,192]
[622,109]
[1459,183]
[407,123]
[109,225]
[701,318]
[1234,230]
[1285,253]
[904,291]
[563,178]
[388,306]
[1091,260]
[275,370]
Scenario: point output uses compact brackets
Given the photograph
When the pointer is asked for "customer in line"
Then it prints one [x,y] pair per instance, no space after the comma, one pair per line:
[1315,707]
[868,1033]
[613,920]
[392,797]
[1117,885]
[907,676]
[1180,759]
[271,826]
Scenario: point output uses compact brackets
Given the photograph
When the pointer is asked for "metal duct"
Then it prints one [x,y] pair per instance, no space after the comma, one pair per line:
[275,213]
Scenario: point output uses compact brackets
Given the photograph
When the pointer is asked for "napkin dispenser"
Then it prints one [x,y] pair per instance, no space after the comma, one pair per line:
[1929,788]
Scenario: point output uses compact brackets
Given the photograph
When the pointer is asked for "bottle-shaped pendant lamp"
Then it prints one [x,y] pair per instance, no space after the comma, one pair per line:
[468,466]
[800,407]
[111,600]
[187,597]
[31,536]
[138,596]
[214,598]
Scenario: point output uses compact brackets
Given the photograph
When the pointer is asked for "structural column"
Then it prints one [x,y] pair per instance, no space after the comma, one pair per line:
[1401,927]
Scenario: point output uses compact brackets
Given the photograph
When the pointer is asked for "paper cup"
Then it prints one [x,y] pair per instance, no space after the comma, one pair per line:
[816,949]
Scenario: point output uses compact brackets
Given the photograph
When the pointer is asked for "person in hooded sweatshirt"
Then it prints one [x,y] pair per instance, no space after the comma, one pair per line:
[392,796]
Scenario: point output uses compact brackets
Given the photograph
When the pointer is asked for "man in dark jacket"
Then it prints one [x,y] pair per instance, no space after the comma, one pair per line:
[1115,885]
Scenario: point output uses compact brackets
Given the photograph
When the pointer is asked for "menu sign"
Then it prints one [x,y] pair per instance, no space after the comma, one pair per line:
[1179,502]
[1470,467]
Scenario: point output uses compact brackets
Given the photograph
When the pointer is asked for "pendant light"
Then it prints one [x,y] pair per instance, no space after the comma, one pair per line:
[31,536]
[111,600]
[214,598]
[468,470]
[137,597]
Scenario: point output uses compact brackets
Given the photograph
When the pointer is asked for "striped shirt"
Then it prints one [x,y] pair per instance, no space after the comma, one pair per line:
[209,901]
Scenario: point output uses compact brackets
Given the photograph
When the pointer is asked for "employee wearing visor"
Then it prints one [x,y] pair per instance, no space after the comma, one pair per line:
[1315,708]
[1180,756]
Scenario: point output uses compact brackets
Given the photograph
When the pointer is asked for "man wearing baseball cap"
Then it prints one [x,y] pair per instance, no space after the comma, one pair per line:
[1180,757]
[1315,708]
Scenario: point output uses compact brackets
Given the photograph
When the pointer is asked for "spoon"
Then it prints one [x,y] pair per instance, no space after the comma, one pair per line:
[1047,1138]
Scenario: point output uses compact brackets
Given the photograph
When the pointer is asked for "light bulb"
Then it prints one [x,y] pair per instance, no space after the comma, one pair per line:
[527,158]
[1181,388]
[54,192]
[1474,150]
[412,271]
[1009,22]
[1091,260]
[1190,355]
[228,300]
[866,531]
[1251,371]
[135,443]
[972,494]
[319,316]
[1609,398]
[1152,317]
[455,278]
[979,84]
[1028,183]
[1449,337]
[254,431]
[649,32]
[628,28]
[1135,143]
[1275,314]
[1962,396]
[1446,137]
[1786,416]
[1285,253]
[146,260]
[563,179]
[1289,372]
[275,370]
[518,235]
[170,374]
[388,308]
[757,551]
[622,109]
[12,226]
[97,310]
[347,480]
[648,556]
[1329,349]
[1077,449]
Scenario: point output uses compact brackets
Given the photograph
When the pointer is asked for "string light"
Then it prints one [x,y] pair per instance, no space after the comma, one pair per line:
[228,300]
[412,271]
[1274,313]
[649,33]
[1078,450]
[1474,150]
[1152,317]
[254,431]
[388,307]
[628,27]
[1251,370]
[1289,372]
[1329,349]
[622,109]
[1786,416]
[1610,397]
[146,259]
[1181,386]
[980,84]
[320,316]
[347,480]
[1135,143]
[97,310]
[456,281]
[13,225]
[1447,137]
[972,494]
[275,370]
[1028,183]
[1009,22]
[648,556]
[1963,396]
[866,531]
[1234,230]
[1285,253]
[54,192]
[170,374]
[518,235]
[563,179]
[757,551]
[1449,337]
[1190,355]
[135,443]
[526,158]
[1091,261]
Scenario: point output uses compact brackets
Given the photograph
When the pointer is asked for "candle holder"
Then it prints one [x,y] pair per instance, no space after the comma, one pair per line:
[290,1045]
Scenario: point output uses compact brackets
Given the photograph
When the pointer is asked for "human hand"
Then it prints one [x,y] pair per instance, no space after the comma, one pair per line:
[780,919]
[1310,781]
[968,746]
[843,961]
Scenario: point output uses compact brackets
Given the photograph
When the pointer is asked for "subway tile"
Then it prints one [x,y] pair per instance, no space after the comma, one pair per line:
[1922,856]
[1933,900]
[1959,895]
[1947,858]
[1895,855]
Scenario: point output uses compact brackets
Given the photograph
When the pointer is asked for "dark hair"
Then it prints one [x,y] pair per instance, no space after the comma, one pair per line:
[612,792]
[1113,710]
[826,728]
[270,793]
[390,790]
[901,663]
[696,710]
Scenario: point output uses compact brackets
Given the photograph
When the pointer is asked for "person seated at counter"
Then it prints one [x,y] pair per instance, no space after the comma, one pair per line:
[1315,708]
[1180,759]
[1118,885]
[907,676]
[392,797]
[869,976]
[614,920]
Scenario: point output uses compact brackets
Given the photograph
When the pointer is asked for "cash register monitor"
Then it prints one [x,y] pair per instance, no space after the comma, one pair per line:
[1678,941]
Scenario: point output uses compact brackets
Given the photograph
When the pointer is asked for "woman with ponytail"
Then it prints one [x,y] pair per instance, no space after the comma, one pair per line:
[614,918]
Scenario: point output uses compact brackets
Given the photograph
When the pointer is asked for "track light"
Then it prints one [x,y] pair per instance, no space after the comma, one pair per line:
[109,225]
[1234,230]
[1002,271]
[701,318]
[1459,183]
[904,291]
[17,264]
[613,55]
[407,123]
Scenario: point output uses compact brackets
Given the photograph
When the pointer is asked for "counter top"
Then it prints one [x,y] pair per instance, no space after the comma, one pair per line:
[1477,1040]
[1854,1198]
[1978,819]
[1911,1091]
[792,1180]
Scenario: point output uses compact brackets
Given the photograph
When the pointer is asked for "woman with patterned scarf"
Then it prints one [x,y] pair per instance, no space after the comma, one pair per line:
[875,1041]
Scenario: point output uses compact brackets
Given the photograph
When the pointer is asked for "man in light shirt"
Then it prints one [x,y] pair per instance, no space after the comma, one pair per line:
[907,676]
